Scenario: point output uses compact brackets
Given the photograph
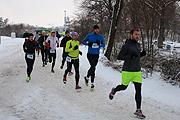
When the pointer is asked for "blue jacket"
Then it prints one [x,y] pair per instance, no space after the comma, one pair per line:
[92,37]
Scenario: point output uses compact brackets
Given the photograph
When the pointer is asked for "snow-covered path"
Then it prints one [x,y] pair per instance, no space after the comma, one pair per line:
[45,97]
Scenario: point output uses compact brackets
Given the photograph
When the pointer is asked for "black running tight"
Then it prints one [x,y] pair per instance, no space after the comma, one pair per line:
[76,67]
[93,60]
[137,94]
[52,56]
[30,63]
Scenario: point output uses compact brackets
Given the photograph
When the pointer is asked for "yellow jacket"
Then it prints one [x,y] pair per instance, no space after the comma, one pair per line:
[74,54]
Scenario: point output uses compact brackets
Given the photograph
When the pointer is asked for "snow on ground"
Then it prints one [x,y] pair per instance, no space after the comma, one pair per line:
[45,97]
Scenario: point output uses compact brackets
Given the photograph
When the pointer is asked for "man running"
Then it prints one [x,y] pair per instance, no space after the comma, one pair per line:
[29,48]
[63,44]
[36,39]
[72,47]
[131,71]
[52,40]
[57,35]
[95,42]
[44,50]
[26,35]
[49,34]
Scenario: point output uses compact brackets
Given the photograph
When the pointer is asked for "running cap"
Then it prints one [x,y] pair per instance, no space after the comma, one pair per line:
[52,31]
[43,31]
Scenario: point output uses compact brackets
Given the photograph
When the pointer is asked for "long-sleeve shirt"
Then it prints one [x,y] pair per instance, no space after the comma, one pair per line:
[92,38]
[74,54]
[52,42]
[30,46]
[64,41]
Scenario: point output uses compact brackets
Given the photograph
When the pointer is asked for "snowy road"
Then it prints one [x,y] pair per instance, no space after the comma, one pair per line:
[45,97]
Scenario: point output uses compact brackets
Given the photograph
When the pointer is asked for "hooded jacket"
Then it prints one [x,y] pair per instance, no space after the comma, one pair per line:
[130,64]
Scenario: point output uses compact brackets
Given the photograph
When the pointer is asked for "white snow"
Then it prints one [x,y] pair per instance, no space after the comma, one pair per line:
[45,97]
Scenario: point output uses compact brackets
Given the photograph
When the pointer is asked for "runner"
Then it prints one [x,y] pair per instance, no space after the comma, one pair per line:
[26,35]
[29,47]
[57,35]
[53,40]
[36,39]
[63,44]
[131,54]
[49,34]
[44,50]
[72,47]
[95,42]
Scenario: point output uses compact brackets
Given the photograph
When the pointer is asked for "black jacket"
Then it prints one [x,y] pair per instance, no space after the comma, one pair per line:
[130,64]
[30,46]
[64,41]
[26,36]
[41,40]
[58,36]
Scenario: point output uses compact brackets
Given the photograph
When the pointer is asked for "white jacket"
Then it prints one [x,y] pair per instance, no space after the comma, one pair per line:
[53,42]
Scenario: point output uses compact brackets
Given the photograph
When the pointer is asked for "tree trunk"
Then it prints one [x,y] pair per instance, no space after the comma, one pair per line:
[162,29]
[116,16]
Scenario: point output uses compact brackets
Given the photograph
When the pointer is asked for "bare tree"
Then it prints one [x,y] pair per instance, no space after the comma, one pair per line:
[115,19]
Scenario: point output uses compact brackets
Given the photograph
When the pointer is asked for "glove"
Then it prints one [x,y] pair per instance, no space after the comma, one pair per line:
[57,45]
[80,53]
[39,46]
[75,48]
[90,44]
[143,53]
[98,43]
[49,47]
[134,55]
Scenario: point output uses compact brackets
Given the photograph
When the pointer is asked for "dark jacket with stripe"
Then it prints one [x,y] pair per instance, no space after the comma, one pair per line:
[41,40]
[29,47]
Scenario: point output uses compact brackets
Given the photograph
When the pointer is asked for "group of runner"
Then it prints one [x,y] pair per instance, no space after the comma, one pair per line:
[130,53]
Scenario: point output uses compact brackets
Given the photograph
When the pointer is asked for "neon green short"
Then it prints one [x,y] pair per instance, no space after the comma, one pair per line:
[131,76]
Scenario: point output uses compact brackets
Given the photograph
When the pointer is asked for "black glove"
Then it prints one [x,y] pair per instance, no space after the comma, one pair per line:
[90,44]
[80,53]
[98,43]
[143,53]
[75,48]
[134,55]
[49,47]
[57,45]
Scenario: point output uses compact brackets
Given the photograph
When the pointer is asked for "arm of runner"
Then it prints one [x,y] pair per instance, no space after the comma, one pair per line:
[24,46]
[46,43]
[57,42]
[85,40]
[123,55]
[68,49]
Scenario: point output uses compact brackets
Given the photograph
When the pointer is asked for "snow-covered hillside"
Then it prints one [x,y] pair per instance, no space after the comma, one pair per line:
[45,97]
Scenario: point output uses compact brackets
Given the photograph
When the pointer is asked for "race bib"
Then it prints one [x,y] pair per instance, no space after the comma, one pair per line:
[68,59]
[52,51]
[26,38]
[43,43]
[95,45]
[30,56]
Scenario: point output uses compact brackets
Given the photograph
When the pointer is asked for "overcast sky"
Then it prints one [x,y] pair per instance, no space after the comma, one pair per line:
[37,12]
